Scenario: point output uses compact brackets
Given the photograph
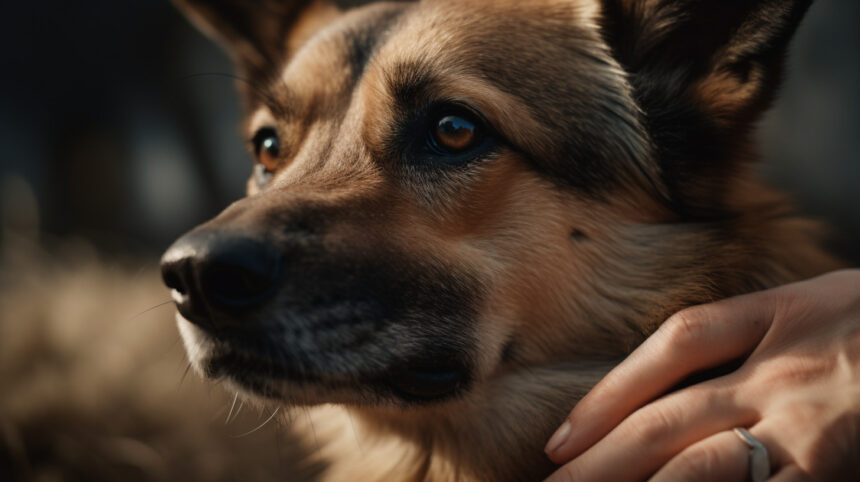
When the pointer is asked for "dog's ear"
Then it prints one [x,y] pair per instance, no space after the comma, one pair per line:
[703,71]
[260,34]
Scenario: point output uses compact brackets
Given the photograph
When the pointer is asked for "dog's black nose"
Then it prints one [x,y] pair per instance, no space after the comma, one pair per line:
[214,273]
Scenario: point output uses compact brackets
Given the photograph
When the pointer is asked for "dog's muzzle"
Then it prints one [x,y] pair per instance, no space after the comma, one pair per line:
[295,312]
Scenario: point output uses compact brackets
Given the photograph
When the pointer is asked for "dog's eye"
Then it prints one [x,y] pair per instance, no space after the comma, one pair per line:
[448,135]
[267,148]
[454,133]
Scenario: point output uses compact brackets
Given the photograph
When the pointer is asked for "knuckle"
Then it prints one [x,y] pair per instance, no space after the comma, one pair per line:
[791,302]
[687,326]
[654,423]
[700,462]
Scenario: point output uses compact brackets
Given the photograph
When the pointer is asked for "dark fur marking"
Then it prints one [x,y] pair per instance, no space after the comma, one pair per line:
[577,235]
[410,84]
[509,352]
[694,152]
[362,42]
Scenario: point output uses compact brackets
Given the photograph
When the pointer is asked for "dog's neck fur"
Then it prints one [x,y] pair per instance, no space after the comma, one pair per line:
[378,444]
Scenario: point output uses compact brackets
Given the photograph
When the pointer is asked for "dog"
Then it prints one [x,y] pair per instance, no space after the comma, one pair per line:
[463,213]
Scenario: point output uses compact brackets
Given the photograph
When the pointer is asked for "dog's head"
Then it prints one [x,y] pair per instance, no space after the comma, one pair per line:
[450,192]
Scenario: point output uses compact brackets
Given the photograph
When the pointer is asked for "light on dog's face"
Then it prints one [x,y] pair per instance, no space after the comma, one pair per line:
[371,302]
[415,241]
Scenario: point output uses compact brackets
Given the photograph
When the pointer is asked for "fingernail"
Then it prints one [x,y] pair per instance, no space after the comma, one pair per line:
[558,438]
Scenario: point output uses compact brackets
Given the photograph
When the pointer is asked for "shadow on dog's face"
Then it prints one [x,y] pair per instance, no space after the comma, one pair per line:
[444,194]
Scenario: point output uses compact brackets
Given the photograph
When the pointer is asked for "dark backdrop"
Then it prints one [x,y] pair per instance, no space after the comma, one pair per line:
[118,123]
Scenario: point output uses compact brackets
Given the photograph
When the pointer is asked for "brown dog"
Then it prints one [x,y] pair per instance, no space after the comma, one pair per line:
[463,213]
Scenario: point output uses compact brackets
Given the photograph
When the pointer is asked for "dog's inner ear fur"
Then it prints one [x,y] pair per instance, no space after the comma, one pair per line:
[703,72]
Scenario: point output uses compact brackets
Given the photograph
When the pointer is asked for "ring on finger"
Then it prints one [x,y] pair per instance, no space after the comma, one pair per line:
[759,459]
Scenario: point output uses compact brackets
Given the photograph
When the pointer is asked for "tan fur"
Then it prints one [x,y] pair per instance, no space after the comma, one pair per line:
[576,280]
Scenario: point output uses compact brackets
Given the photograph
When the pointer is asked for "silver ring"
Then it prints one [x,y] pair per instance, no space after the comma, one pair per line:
[759,460]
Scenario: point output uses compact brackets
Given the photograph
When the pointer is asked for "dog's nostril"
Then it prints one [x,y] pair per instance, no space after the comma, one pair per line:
[174,282]
[176,270]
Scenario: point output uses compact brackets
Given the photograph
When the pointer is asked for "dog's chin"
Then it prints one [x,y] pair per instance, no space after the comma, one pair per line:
[406,384]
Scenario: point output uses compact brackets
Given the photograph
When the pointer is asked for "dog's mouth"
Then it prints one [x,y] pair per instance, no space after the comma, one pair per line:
[427,382]
[414,381]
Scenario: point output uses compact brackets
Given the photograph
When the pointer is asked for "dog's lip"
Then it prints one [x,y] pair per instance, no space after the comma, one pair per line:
[428,382]
[416,382]
[238,365]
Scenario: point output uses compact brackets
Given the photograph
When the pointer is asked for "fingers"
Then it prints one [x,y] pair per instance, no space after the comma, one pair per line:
[694,339]
[655,434]
[719,458]
[723,457]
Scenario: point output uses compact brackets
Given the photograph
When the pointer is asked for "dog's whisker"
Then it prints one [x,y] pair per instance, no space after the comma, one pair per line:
[230,413]
[265,422]
[239,410]
[151,308]
[184,374]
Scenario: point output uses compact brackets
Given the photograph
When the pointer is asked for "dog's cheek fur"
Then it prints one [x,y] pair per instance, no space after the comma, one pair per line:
[545,255]
[572,282]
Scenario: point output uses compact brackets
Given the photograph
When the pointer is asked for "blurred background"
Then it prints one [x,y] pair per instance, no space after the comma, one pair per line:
[118,132]
[118,123]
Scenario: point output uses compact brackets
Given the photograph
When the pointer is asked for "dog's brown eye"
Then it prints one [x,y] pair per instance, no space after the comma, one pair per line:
[449,135]
[454,133]
[267,148]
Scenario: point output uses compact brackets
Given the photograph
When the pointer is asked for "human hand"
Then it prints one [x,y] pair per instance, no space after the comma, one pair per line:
[798,392]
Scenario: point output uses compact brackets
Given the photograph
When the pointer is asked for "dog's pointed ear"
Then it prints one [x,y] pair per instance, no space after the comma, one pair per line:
[702,71]
[259,35]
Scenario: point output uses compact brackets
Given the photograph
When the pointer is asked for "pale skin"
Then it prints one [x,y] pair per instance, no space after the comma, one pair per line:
[798,392]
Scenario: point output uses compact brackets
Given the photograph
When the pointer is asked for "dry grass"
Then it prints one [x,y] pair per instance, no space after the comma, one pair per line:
[92,388]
